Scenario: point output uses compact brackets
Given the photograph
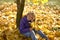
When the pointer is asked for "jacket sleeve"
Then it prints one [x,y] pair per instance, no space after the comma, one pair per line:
[22,28]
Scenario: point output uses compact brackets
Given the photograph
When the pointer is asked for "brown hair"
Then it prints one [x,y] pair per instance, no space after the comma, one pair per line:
[31,13]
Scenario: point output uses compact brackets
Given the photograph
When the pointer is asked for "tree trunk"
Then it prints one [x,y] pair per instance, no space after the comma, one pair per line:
[20,8]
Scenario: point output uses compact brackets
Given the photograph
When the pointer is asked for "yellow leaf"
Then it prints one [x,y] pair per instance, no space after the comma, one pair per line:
[35,2]
[28,1]
[44,1]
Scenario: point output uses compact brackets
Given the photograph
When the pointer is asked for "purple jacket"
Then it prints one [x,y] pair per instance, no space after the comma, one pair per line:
[24,25]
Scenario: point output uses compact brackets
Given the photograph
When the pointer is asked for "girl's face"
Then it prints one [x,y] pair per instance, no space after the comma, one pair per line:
[31,17]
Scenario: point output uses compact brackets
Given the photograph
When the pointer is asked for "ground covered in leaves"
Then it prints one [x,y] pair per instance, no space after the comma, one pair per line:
[47,20]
